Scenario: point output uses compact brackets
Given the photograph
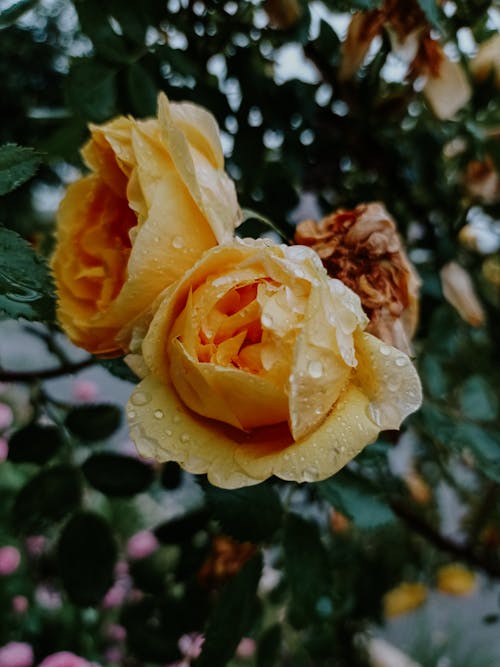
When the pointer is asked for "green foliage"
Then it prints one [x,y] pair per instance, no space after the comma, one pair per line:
[252,513]
[46,498]
[232,616]
[87,555]
[17,165]
[117,475]
[26,288]
[269,647]
[93,422]
[34,443]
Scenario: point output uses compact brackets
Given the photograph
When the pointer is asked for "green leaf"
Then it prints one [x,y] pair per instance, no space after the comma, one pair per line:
[87,555]
[91,89]
[142,90]
[94,422]
[117,475]
[119,369]
[433,376]
[171,475]
[307,569]
[26,288]
[11,14]
[478,400]
[251,513]
[182,528]
[94,22]
[358,498]
[269,647]
[232,616]
[34,444]
[46,498]
[17,165]
[248,215]
[431,11]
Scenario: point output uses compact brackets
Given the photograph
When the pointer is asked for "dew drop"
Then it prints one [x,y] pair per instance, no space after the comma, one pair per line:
[401,361]
[267,321]
[385,350]
[178,242]
[140,398]
[184,437]
[310,474]
[315,369]
[158,414]
[168,433]
[131,414]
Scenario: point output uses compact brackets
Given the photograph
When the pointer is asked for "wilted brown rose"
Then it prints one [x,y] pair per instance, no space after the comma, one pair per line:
[225,560]
[482,180]
[362,248]
[487,60]
[283,14]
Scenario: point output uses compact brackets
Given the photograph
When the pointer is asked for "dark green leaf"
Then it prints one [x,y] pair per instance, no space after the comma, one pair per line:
[26,288]
[119,369]
[232,616]
[87,555]
[34,444]
[434,376]
[171,475]
[142,90]
[306,567]
[46,498]
[91,89]
[94,21]
[478,400]
[94,422]
[17,165]
[358,498]
[251,513]
[150,573]
[182,528]
[269,647]
[431,11]
[117,475]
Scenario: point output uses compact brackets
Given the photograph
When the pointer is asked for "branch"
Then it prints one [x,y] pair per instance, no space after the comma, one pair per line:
[47,373]
[462,552]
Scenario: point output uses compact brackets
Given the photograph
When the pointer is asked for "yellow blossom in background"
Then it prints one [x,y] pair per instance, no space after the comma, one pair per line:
[157,197]
[456,580]
[362,248]
[459,291]
[404,598]
[256,364]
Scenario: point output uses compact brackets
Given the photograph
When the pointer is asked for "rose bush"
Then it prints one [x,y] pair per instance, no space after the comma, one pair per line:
[256,364]
[156,198]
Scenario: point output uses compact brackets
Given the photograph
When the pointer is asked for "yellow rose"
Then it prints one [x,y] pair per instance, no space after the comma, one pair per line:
[157,197]
[256,364]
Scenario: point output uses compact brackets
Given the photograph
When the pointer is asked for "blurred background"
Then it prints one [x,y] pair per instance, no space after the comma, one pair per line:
[322,105]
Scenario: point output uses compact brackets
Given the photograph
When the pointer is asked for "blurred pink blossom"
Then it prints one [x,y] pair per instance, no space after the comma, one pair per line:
[246,648]
[6,416]
[116,632]
[47,597]
[85,390]
[117,593]
[141,544]
[16,654]
[121,568]
[190,645]
[64,659]
[4,449]
[9,560]
[20,604]
[113,655]
[35,544]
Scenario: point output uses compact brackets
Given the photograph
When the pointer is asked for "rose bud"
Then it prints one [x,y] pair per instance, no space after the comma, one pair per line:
[459,291]
[361,247]
[157,197]
[257,365]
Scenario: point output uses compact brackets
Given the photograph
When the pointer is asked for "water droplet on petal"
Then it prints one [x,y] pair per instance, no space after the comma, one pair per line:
[401,361]
[310,474]
[184,437]
[385,350]
[168,433]
[131,414]
[158,414]
[177,242]
[140,398]
[315,369]
[266,320]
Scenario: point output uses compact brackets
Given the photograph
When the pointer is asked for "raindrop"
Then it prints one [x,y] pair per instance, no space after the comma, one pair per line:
[158,414]
[315,369]
[178,242]
[140,398]
[267,321]
[401,361]
[168,432]
[385,350]
[184,437]
[131,414]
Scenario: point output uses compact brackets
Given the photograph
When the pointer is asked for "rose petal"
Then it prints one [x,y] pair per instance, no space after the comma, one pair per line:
[448,92]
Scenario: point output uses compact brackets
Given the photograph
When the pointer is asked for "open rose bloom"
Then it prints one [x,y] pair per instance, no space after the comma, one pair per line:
[256,364]
[157,197]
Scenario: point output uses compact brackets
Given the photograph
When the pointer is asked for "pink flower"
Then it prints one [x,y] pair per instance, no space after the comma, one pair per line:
[116,594]
[116,632]
[246,648]
[64,659]
[6,416]
[9,560]
[85,390]
[20,604]
[190,645]
[4,449]
[35,544]
[141,544]
[16,654]
[113,655]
